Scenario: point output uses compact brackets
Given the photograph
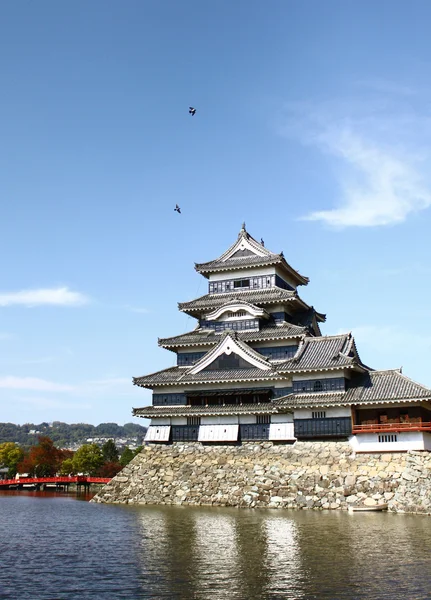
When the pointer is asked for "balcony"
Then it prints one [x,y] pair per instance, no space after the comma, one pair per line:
[391,427]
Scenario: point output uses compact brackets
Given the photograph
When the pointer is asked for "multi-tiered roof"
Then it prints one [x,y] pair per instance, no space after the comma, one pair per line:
[256,339]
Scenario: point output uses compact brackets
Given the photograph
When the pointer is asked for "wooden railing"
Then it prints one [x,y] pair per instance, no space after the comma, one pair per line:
[78,479]
[382,427]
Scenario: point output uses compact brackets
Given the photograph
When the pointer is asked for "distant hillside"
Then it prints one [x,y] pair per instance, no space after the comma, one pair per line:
[69,436]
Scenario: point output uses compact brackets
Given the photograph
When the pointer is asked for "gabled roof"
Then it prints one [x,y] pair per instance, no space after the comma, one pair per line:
[235,306]
[313,355]
[373,387]
[323,353]
[209,337]
[245,253]
[183,376]
[230,344]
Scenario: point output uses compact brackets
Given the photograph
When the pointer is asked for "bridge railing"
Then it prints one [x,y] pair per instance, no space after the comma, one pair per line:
[57,480]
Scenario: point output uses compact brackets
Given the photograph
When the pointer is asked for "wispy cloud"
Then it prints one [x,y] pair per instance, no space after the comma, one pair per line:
[378,153]
[382,189]
[11,382]
[5,336]
[121,385]
[41,402]
[61,296]
[137,309]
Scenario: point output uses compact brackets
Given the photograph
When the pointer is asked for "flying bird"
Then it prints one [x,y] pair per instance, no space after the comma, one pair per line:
[192,111]
[177,209]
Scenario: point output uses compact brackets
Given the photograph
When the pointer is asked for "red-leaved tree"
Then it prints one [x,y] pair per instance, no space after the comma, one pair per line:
[42,460]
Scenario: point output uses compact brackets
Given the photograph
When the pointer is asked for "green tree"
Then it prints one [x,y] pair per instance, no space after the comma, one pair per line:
[88,459]
[126,456]
[10,456]
[67,467]
[110,451]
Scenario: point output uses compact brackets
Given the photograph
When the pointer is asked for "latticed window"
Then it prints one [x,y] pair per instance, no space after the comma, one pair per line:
[319,385]
[239,313]
[193,420]
[318,414]
[254,283]
[263,419]
[278,352]
[391,437]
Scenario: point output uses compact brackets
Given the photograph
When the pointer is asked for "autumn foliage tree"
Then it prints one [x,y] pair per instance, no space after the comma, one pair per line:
[42,460]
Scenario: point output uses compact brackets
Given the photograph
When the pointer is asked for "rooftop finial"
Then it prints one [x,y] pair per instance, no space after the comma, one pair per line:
[243,226]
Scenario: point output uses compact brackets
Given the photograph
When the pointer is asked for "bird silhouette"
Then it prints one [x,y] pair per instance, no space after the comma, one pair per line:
[192,111]
[177,209]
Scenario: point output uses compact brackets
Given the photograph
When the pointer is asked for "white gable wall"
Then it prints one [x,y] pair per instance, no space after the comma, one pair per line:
[332,412]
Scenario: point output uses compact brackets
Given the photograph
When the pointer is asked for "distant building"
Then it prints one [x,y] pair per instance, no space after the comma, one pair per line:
[258,368]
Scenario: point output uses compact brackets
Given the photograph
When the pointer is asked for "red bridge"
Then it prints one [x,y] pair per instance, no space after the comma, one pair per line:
[41,482]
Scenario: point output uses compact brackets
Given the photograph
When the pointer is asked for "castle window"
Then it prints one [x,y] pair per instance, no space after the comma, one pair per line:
[387,438]
[310,386]
[263,419]
[193,421]
[239,283]
[238,313]
[318,414]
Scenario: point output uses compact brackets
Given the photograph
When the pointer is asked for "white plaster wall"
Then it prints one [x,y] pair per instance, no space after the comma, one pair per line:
[282,418]
[283,384]
[274,343]
[336,411]
[247,419]
[369,442]
[220,420]
[178,420]
[195,348]
[160,421]
[319,375]
[242,274]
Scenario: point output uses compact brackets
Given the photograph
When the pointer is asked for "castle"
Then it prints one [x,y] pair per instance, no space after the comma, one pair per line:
[257,368]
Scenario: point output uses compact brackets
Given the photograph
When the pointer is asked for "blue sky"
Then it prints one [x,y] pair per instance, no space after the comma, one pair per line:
[313,126]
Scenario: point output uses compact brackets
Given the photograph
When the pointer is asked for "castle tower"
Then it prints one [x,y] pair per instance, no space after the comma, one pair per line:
[257,367]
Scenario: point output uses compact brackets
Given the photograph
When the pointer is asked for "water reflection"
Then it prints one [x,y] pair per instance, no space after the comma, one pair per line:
[221,553]
[56,548]
[202,554]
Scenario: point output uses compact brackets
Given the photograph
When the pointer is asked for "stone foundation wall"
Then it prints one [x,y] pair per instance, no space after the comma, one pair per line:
[314,475]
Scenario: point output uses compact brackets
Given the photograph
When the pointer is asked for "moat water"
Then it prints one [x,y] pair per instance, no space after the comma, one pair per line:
[61,547]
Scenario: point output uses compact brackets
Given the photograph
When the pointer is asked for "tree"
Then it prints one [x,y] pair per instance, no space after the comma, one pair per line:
[43,460]
[67,467]
[126,456]
[109,469]
[10,456]
[109,451]
[88,459]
